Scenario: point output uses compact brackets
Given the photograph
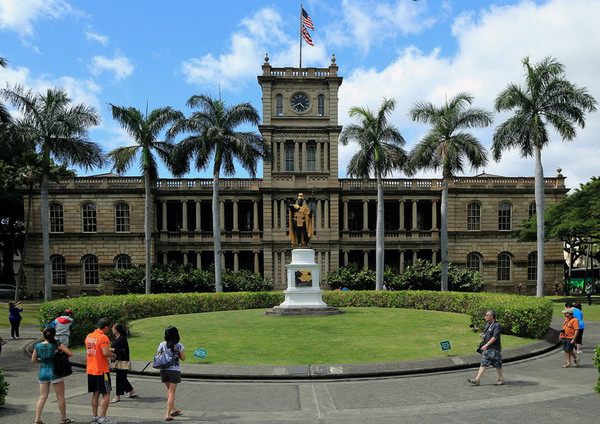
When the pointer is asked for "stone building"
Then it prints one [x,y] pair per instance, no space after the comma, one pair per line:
[97,223]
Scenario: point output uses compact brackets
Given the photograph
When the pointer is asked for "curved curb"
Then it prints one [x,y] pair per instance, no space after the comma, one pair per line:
[337,371]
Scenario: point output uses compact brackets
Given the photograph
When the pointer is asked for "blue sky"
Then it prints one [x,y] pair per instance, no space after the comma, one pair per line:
[162,52]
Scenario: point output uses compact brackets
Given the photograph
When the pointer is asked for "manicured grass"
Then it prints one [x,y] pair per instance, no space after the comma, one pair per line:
[590,312]
[29,314]
[360,335]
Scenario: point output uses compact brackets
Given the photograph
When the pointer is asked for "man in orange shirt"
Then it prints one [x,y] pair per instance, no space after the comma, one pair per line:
[97,346]
[567,337]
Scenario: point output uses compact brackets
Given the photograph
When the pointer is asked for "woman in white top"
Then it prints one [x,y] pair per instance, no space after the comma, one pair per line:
[171,375]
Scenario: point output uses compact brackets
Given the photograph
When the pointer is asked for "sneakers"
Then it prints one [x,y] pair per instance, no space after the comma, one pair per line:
[579,352]
[95,419]
[499,383]
[567,365]
[106,420]
[577,362]
[473,381]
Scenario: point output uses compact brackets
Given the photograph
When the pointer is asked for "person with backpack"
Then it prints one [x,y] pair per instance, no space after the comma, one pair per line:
[44,352]
[64,325]
[170,374]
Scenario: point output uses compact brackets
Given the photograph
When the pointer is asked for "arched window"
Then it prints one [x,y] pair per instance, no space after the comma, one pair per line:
[88,218]
[532,266]
[59,270]
[56,218]
[474,217]
[504,267]
[122,217]
[279,105]
[321,105]
[531,209]
[504,216]
[289,158]
[122,262]
[91,273]
[311,158]
[474,262]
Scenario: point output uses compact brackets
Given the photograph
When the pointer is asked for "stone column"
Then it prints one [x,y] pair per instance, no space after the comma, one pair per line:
[256,263]
[198,215]
[164,216]
[296,156]
[365,215]
[199,260]
[222,214]
[326,156]
[282,156]
[326,269]
[282,270]
[414,215]
[326,213]
[434,214]
[401,261]
[222,260]
[318,157]
[185,258]
[415,256]
[275,214]
[366,259]
[402,215]
[318,221]
[345,217]
[282,214]
[235,215]
[236,261]
[275,268]
[184,215]
[345,258]
[304,157]
[165,258]
[434,257]
[255,215]
[274,165]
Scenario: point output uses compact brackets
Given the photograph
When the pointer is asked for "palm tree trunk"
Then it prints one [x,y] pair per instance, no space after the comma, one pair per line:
[539,210]
[379,236]
[24,249]
[444,232]
[46,237]
[148,231]
[216,207]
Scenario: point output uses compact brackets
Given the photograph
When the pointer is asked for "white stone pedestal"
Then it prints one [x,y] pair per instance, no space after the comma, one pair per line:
[303,295]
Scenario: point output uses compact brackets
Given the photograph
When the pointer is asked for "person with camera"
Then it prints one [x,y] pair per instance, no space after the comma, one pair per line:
[491,350]
[567,337]
[14,316]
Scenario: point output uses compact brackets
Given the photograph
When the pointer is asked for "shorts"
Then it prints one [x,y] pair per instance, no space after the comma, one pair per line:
[58,380]
[579,338]
[491,358]
[170,376]
[567,346]
[99,383]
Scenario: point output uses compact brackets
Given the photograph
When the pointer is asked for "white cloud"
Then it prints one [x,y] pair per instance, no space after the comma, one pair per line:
[120,66]
[20,15]
[491,45]
[102,39]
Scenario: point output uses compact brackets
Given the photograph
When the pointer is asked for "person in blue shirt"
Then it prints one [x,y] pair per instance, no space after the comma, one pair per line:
[14,316]
[577,313]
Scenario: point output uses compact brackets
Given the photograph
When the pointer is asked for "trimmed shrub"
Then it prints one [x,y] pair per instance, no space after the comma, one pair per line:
[3,387]
[597,365]
[519,315]
[173,278]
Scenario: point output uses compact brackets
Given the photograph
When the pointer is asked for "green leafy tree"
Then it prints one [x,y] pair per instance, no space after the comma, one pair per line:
[380,153]
[5,117]
[59,131]
[214,136]
[546,100]
[447,147]
[144,130]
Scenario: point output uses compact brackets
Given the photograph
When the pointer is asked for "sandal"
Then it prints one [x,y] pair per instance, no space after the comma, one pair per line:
[115,400]
[40,421]
[132,395]
[176,412]
[169,419]
[67,421]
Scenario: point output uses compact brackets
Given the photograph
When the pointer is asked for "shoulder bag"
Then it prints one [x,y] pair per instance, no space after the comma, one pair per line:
[62,366]
[121,365]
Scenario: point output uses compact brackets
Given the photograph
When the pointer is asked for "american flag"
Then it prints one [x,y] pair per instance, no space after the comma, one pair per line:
[306,36]
[307,21]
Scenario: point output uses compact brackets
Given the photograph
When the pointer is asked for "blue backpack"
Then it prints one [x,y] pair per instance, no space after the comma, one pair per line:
[165,359]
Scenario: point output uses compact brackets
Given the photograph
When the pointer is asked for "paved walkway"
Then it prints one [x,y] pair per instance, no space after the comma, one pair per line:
[537,391]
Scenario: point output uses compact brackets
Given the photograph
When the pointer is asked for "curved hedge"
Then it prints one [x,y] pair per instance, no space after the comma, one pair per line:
[519,315]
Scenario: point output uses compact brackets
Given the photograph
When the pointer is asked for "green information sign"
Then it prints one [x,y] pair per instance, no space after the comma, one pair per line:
[200,353]
[445,345]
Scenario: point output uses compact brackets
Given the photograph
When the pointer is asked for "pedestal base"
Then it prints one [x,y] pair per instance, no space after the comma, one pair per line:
[310,312]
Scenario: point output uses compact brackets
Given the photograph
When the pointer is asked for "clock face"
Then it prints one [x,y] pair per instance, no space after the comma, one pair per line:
[300,102]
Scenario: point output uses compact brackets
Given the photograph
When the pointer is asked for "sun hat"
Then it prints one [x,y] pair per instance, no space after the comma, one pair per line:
[568,311]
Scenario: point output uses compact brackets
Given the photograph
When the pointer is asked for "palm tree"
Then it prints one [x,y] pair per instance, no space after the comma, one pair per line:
[448,148]
[5,117]
[546,100]
[213,129]
[144,130]
[58,130]
[380,153]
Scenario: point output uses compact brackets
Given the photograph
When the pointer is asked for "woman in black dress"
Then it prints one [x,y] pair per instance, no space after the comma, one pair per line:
[120,347]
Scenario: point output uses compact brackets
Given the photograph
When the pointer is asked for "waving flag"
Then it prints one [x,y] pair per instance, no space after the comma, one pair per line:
[306,36]
[306,21]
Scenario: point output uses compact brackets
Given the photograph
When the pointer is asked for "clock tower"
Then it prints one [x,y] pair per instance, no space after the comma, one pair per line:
[300,123]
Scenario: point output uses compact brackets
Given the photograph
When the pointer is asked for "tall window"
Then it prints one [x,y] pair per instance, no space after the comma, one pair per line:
[59,270]
[531,209]
[122,262]
[122,217]
[532,266]
[88,218]
[279,105]
[90,270]
[474,217]
[504,216]
[474,262]
[321,105]
[289,158]
[56,218]
[504,264]
[311,158]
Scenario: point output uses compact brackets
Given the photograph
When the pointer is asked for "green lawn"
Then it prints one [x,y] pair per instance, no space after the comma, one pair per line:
[360,335]
[29,314]
[590,312]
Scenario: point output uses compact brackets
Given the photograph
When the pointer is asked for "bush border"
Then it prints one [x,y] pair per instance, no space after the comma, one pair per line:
[519,315]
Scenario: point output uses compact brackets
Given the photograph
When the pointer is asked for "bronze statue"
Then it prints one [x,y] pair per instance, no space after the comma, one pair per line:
[301,222]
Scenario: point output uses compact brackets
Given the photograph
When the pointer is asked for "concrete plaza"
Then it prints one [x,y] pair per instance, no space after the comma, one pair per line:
[537,391]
